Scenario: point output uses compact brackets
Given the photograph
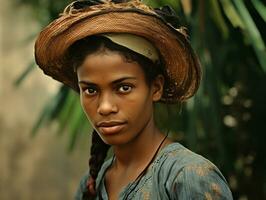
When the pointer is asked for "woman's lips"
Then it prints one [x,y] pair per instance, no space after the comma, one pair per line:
[111,128]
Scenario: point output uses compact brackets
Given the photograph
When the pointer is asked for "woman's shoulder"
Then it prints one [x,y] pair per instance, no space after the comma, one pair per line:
[103,170]
[82,188]
[175,158]
[177,154]
[189,175]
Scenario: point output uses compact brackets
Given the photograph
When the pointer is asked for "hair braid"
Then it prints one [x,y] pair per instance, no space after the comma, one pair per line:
[97,155]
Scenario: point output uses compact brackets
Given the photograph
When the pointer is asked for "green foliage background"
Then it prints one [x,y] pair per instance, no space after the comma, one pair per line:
[225,121]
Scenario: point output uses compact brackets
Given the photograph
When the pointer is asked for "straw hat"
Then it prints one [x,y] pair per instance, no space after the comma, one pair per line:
[84,18]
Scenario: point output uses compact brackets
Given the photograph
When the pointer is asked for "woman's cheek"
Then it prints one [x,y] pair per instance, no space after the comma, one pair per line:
[86,108]
[89,117]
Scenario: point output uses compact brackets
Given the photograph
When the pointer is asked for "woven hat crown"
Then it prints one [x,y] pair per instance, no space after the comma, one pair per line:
[81,19]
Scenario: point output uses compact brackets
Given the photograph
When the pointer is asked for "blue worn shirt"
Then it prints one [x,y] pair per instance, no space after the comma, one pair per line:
[176,173]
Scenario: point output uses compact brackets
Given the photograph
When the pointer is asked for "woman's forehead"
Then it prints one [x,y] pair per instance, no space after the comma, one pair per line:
[108,66]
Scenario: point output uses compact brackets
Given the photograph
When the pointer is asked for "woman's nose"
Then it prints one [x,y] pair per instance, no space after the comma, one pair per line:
[106,105]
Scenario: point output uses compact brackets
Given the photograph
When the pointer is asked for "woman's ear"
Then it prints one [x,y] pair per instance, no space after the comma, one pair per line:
[157,88]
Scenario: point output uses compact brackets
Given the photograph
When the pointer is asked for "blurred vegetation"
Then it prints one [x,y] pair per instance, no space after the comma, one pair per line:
[225,121]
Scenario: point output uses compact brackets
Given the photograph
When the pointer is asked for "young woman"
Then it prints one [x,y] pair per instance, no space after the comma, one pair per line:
[122,57]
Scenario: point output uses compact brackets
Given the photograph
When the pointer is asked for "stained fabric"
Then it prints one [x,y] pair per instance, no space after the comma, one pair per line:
[176,173]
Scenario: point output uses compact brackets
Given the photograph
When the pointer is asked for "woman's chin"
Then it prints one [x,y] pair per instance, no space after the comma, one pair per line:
[115,140]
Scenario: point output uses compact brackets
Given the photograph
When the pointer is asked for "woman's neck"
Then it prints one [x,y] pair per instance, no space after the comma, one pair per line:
[140,150]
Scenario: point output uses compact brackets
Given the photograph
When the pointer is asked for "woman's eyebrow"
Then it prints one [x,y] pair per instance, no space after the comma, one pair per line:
[86,82]
[123,79]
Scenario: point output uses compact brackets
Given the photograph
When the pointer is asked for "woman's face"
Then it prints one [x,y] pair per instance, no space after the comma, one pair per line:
[115,96]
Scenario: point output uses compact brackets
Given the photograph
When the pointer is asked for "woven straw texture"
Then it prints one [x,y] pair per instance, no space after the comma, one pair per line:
[182,65]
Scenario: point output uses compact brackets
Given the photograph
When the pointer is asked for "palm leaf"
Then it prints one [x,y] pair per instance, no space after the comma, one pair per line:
[253,33]
[218,18]
[25,73]
[261,8]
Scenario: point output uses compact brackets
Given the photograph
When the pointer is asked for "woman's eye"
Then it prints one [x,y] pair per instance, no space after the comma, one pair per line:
[90,91]
[125,88]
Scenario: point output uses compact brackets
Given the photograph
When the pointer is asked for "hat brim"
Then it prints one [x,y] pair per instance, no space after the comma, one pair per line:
[182,65]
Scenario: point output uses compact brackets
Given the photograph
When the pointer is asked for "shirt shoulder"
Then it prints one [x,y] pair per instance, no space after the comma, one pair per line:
[187,175]
[82,188]
[175,152]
